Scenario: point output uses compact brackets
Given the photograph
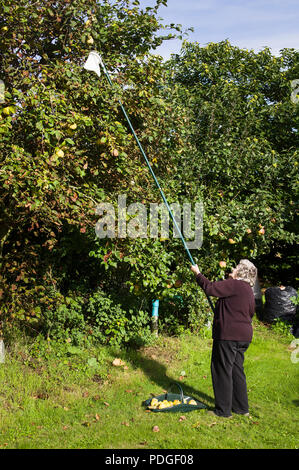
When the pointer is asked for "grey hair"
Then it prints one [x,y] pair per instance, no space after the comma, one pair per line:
[246,271]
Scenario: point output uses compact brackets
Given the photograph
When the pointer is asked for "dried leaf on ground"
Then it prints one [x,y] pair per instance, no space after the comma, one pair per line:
[118,362]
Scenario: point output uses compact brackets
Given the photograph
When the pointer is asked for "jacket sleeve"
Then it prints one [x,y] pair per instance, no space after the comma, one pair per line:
[219,289]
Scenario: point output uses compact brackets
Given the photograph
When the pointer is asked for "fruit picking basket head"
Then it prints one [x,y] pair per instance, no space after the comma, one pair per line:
[183,406]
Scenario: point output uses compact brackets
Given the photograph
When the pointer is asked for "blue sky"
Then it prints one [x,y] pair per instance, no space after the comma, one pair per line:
[249,24]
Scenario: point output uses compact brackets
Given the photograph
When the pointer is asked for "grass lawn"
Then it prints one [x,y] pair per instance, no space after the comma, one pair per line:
[74,398]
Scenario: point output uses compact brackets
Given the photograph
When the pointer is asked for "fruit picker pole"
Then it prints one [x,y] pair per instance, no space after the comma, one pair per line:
[93,63]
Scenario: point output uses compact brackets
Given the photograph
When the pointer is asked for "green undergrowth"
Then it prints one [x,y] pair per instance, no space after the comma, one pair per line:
[56,395]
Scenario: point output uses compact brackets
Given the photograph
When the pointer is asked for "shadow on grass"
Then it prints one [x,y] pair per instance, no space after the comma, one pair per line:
[157,373]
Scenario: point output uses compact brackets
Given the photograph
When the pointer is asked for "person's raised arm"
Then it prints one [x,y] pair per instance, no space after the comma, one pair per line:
[216,289]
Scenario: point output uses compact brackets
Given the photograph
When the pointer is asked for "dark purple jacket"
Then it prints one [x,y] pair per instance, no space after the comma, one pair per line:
[234,308]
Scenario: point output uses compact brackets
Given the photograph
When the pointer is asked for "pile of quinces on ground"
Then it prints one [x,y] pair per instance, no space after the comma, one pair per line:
[159,405]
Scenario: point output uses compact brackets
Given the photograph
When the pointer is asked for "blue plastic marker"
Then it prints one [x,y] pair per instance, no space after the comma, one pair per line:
[155,314]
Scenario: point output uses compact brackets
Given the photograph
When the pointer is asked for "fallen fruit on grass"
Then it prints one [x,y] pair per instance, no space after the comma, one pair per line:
[118,362]
[156,429]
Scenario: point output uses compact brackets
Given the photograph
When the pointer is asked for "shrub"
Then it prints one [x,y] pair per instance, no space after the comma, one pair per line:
[111,324]
[66,320]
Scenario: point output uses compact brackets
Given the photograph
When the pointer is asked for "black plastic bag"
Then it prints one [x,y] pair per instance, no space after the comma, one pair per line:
[295,331]
[278,304]
[258,299]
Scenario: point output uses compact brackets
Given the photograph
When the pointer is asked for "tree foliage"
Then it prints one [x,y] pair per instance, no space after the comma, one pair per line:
[64,145]
[217,124]
[243,126]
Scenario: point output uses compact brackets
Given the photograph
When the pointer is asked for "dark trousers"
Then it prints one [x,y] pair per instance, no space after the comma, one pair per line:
[229,381]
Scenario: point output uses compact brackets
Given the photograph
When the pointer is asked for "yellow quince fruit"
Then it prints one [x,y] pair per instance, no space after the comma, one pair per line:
[192,402]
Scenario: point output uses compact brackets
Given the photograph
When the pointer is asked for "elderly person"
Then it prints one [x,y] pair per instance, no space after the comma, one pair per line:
[232,334]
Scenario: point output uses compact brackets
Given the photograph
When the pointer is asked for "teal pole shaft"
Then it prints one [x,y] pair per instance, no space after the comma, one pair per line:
[155,179]
[155,314]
